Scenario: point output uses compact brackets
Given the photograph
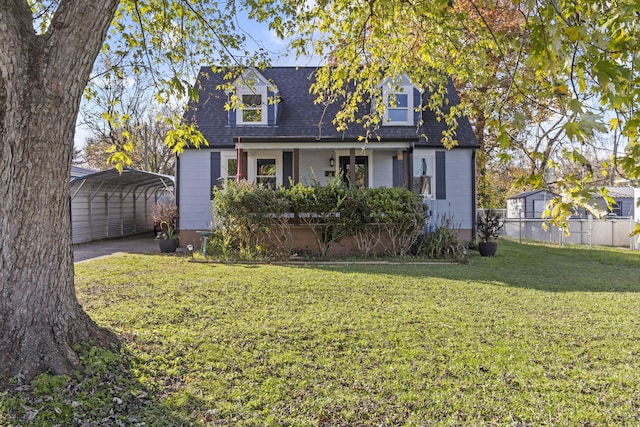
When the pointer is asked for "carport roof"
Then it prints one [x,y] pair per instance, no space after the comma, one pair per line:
[127,179]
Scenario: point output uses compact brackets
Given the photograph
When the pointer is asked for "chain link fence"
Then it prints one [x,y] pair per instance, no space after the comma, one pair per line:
[582,231]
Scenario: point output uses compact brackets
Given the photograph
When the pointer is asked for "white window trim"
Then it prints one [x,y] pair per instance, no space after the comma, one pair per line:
[430,160]
[225,156]
[262,91]
[252,160]
[404,89]
[346,153]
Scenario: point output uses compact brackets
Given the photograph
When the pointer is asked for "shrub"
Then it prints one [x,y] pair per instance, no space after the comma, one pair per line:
[319,208]
[256,219]
[490,224]
[402,213]
[252,216]
[442,243]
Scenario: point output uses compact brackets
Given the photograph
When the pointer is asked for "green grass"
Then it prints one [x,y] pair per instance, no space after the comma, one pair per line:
[535,336]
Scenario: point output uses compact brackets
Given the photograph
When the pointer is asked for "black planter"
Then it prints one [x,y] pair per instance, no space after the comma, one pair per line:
[488,248]
[168,245]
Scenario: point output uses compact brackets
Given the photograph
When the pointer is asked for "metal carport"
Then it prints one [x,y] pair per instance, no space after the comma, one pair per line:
[111,204]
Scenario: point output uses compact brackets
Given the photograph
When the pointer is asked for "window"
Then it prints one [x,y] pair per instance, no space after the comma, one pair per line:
[361,171]
[252,109]
[266,172]
[397,107]
[255,101]
[422,176]
[232,169]
[616,209]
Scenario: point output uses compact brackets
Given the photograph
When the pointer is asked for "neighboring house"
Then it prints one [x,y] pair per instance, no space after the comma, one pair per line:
[279,134]
[532,203]
[625,201]
[529,204]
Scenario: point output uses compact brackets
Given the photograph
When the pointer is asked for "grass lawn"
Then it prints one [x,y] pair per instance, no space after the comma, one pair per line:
[535,336]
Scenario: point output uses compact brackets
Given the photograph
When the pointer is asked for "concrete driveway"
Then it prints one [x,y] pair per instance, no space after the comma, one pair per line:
[141,243]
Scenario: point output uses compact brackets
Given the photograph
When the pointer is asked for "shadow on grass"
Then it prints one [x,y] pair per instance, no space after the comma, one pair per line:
[532,266]
[110,390]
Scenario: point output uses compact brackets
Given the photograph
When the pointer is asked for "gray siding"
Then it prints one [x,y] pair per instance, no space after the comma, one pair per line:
[459,190]
[194,189]
[102,213]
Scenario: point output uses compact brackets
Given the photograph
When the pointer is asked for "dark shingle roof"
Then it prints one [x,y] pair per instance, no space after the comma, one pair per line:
[300,118]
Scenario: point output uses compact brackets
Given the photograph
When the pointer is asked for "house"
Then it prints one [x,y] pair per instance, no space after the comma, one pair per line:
[531,203]
[279,134]
[625,203]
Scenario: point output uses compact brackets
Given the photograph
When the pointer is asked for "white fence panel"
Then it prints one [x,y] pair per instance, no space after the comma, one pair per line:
[588,231]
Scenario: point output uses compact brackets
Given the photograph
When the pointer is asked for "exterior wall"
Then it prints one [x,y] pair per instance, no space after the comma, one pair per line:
[459,202]
[314,164]
[531,206]
[194,182]
[636,200]
[382,168]
[194,190]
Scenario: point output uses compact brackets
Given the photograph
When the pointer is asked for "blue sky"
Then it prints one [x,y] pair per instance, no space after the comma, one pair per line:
[258,34]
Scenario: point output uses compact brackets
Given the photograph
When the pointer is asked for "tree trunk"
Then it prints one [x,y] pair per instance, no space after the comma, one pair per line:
[42,78]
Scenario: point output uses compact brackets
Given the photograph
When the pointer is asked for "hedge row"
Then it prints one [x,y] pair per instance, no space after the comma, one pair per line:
[256,219]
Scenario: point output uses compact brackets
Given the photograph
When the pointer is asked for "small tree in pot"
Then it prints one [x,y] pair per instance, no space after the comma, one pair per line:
[165,219]
[489,223]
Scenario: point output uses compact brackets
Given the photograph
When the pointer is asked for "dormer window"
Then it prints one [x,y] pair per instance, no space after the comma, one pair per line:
[255,100]
[397,108]
[398,100]
[253,108]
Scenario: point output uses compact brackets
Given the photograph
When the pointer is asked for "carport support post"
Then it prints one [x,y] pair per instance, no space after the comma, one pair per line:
[121,215]
[90,215]
[106,205]
[135,214]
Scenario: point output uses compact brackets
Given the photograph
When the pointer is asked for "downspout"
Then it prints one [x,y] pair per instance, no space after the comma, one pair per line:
[239,163]
[474,196]
[176,190]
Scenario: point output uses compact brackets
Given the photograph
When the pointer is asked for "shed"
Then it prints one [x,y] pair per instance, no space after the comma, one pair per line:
[111,204]
[530,204]
[625,203]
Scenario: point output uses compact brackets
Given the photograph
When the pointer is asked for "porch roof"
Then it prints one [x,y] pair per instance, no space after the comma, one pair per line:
[292,144]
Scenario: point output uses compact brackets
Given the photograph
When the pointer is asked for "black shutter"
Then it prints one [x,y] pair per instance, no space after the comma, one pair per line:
[417,104]
[271,108]
[215,171]
[441,176]
[232,115]
[287,168]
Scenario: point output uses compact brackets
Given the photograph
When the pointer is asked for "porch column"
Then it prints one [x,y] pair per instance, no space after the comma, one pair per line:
[352,166]
[407,165]
[243,163]
[296,165]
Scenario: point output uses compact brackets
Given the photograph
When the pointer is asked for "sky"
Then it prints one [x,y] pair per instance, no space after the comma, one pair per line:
[258,34]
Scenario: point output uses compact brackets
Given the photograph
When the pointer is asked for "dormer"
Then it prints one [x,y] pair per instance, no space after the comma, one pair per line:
[256,100]
[402,102]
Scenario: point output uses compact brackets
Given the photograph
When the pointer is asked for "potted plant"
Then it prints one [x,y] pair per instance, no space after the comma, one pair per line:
[165,218]
[489,225]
